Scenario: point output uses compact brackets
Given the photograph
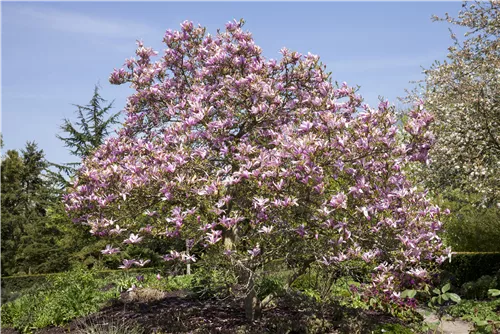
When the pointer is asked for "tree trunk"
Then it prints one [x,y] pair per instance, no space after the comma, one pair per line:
[188,265]
[245,278]
[229,239]
[251,301]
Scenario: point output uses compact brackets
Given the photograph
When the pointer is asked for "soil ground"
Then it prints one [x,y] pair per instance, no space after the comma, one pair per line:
[178,313]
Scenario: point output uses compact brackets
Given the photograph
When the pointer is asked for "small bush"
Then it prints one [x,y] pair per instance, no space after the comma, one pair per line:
[14,286]
[483,314]
[479,289]
[465,268]
[213,278]
[270,284]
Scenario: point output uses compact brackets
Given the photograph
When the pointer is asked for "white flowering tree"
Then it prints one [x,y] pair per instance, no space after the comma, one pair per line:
[463,92]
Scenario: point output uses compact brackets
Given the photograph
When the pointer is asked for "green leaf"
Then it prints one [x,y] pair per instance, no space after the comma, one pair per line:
[436,291]
[445,296]
[454,297]
[408,293]
[481,323]
[494,292]
[446,288]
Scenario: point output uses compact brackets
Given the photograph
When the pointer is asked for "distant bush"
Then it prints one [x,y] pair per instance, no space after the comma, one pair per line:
[479,289]
[465,268]
[14,286]
[471,227]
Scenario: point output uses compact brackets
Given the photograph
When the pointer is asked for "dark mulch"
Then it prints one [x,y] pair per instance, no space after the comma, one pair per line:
[178,313]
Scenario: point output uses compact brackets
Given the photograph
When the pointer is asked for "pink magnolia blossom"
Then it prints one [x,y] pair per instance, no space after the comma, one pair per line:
[127,264]
[133,239]
[218,139]
[110,250]
[142,263]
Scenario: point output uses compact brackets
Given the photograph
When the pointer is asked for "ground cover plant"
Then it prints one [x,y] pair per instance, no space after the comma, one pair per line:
[77,293]
[64,297]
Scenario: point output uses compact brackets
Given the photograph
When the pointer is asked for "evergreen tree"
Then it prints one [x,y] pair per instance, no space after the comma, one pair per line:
[38,244]
[28,243]
[82,137]
[89,131]
[12,189]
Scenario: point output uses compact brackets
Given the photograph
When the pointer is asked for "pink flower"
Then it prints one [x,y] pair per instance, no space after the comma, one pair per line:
[266,229]
[133,239]
[418,272]
[338,201]
[254,252]
[110,250]
[127,264]
[142,263]
[214,236]
[301,230]
[146,230]
[117,230]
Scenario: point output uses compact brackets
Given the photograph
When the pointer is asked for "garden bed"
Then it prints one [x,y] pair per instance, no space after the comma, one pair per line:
[178,312]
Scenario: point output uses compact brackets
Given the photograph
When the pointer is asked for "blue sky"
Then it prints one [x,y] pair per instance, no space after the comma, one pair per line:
[54,53]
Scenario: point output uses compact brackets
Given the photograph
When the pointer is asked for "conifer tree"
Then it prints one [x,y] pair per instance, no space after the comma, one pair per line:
[87,133]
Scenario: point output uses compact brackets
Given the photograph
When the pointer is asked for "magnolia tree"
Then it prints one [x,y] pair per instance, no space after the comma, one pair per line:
[464,94]
[260,160]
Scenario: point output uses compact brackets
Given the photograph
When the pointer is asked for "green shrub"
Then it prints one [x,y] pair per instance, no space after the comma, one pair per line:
[470,227]
[213,278]
[465,268]
[15,286]
[67,296]
[270,284]
[479,289]
[213,283]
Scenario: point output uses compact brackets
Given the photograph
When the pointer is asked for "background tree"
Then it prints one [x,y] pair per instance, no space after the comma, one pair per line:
[260,161]
[35,202]
[12,227]
[463,93]
[88,132]
[82,137]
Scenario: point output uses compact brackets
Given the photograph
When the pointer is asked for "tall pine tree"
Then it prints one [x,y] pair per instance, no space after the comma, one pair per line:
[88,132]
